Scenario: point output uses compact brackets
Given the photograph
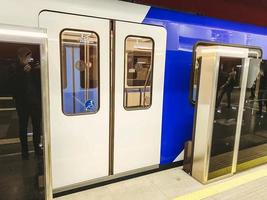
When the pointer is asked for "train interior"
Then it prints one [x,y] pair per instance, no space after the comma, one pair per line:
[80,76]
[20,176]
[138,72]
[239,126]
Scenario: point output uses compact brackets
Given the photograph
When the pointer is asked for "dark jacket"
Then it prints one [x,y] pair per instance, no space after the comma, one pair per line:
[263,76]
[230,83]
[25,86]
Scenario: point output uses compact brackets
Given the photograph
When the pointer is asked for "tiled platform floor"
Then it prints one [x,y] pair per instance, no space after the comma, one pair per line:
[170,184]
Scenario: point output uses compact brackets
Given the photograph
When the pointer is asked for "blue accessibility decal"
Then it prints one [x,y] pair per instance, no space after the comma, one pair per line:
[89,105]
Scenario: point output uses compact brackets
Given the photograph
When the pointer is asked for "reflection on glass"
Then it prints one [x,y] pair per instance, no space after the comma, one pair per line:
[80,72]
[196,76]
[253,141]
[21,160]
[138,72]
[225,117]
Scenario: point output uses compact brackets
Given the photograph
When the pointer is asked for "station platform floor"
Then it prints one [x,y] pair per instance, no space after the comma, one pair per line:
[175,184]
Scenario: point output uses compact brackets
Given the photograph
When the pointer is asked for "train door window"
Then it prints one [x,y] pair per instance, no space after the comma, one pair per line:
[138,72]
[79,72]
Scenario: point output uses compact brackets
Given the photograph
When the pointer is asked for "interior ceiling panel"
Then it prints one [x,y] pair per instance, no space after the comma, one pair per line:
[244,11]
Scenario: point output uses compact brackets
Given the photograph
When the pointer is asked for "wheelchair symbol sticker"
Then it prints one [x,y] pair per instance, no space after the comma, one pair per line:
[89,105]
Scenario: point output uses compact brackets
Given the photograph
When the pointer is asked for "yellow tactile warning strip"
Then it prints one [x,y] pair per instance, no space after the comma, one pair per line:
[221,187]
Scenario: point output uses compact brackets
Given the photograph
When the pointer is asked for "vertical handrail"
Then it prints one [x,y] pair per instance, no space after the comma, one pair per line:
[88,68]
[73,81]
[145,85]
[85,70]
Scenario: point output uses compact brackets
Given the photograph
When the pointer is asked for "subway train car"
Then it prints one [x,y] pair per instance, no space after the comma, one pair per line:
[115,82]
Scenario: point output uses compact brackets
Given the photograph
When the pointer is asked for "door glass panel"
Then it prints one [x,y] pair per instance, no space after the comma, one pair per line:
[79,72]
[253,140]
[225,116]
[138,72]
[21,163]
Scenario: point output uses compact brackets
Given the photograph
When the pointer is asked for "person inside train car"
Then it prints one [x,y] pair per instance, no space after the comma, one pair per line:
[25,83]
[227,88]
[262,95]
[252,91]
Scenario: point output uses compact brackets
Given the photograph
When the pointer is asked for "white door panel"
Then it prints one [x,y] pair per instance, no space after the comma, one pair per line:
[137,133]
[80,143]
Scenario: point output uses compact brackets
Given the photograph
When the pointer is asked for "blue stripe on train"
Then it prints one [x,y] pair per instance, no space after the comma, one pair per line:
[183,31]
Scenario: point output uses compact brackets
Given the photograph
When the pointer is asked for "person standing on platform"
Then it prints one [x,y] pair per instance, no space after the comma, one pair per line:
[26,88]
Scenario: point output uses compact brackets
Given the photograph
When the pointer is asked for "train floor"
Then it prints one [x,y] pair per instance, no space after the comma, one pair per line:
[175,184]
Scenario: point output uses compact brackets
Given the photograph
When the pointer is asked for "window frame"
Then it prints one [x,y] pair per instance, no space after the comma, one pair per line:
[61,74]
[134,108]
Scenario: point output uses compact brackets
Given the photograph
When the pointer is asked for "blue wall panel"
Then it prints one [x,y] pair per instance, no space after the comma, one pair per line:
[183,32]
